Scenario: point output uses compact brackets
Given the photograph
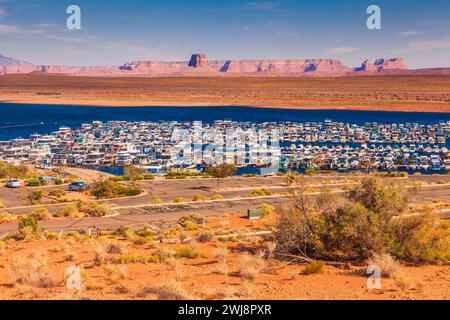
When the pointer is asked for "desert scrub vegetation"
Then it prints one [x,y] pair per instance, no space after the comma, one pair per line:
[314,267]
[217,197]
[374,219]
[9,170]
[200,198]
[107,189]
[260,193]
[266,209]
[168,291]
[180,200]
[388,266]
[249,266]
[189,253]
[157,200]
[93,209]
[40,214]
[29,229]
[70,210]
[191,221]
[31,271]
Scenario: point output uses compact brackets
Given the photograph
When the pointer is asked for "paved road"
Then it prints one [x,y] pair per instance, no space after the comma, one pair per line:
[138,211]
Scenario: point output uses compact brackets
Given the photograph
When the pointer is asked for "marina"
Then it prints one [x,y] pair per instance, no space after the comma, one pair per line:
[160,146]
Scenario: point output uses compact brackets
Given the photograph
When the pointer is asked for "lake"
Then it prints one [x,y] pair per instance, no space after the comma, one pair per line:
[21,120]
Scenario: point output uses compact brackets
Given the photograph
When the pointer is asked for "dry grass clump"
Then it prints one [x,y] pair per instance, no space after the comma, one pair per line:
[387,265]
[69,255]
[114,247]
[70,210]
[31,271]
[217,197]
[168,291]
[249,266]
[180,200]
[189,253]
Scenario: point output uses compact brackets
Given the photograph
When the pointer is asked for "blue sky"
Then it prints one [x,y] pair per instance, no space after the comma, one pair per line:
[114,32]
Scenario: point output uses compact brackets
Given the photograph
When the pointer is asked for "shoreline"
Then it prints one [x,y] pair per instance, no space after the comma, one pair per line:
[129,104]
[376,93]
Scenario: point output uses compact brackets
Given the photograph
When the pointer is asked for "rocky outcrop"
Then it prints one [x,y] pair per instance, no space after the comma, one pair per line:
[198,60]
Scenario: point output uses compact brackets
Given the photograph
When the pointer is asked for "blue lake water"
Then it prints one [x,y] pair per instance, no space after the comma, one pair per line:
[20,120]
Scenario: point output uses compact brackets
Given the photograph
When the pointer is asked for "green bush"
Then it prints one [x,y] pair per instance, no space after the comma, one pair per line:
[34,183]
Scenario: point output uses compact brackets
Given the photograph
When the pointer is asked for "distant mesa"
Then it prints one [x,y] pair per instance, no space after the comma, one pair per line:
[198,60]
[382,65]
[200,65]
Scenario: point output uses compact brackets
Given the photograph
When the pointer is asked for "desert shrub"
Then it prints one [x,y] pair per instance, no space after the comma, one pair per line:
[59,182]
[31,271]
[388,266]
[372,221]
[200,198]
[149,177]
[157,200]
[168,291]
[266,209]
[105,189]
[249,266]
[290,179]
[180,200]
[205,237]
[57,193]
[40,214]
[69,256]
[34,197]
[314,267]
[93,209]
[217,197]
[113,247]
[29,228]
[146,231]
[7,217]
[260,193]
[2,205]
[34,183]
[190,221]
[189,253]
[70,210]
[100,210]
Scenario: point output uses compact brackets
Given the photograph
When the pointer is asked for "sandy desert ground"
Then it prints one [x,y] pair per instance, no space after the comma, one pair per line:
[427,93]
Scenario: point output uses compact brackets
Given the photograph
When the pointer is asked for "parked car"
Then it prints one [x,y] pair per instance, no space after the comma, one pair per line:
[78,186]
[13,183]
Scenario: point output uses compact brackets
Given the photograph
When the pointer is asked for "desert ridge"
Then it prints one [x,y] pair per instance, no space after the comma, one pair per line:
[199,64]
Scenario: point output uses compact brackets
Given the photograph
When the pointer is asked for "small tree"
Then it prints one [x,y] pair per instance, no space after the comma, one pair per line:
[222,171]
[133,171]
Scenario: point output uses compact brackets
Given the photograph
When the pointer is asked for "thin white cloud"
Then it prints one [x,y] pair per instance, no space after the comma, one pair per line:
[429,45]
[342,50]
[409,33]
[263,5]
[16,29]
[2,13]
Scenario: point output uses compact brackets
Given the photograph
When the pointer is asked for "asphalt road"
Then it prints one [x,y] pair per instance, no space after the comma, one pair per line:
[138,211]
